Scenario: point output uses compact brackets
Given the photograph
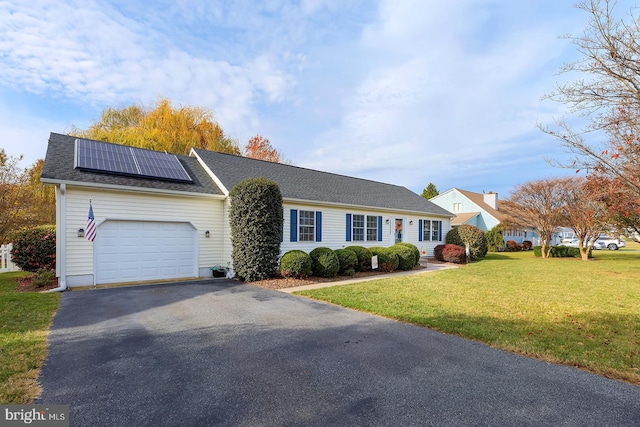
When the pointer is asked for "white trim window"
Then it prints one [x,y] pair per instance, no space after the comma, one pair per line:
[307,226]
[372,228]
[361,228]
[431,231]
[358,228]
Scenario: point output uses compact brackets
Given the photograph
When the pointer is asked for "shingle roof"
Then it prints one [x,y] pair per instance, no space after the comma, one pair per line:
[307,184]
[58,166]
[295,183]
[464,217]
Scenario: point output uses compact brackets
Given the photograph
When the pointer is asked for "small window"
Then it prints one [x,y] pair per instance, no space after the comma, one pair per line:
[457,207]
[372,228]
[358,228]
[435,230]
[307,225]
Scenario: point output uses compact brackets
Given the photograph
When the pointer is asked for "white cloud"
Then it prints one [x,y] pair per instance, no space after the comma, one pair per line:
[442,99]
[90,53]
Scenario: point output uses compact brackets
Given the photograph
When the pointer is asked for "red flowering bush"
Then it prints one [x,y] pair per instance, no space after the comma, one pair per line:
[35,248]
[450,253]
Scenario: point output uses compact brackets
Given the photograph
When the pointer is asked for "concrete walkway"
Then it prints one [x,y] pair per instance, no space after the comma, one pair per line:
[431,266]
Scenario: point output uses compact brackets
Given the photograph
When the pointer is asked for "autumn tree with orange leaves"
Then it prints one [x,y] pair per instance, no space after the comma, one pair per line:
[259,147]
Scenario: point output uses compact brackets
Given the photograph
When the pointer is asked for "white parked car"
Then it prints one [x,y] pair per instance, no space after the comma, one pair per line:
[611,243]
[573,243]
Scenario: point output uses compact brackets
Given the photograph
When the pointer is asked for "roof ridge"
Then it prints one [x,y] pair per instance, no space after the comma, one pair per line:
[299,167]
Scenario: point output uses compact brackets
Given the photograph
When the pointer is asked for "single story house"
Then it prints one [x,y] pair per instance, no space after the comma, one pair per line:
[160,216]
[483,211]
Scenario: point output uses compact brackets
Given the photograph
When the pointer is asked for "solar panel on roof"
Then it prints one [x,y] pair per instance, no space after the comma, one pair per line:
[104,157]
[123,160]
[160,165]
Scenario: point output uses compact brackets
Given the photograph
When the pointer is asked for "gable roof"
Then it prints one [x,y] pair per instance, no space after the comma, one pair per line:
[478,199]
[59,167]
[463,218]
[303,184]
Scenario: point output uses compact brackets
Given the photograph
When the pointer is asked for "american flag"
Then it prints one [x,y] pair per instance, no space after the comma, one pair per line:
[90,233]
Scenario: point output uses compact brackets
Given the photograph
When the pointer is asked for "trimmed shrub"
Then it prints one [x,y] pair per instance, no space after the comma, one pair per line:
[450,253]
[560,252]
[35,248]
[348,260]
[495,238]
[527,245]
[406,257]
[325,262]
[472,235]
[364,257]
[256,222]
[296,264]
[414,249]
[512,246]
[387,258]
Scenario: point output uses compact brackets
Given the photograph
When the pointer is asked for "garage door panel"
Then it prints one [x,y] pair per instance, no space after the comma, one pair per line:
[128,251]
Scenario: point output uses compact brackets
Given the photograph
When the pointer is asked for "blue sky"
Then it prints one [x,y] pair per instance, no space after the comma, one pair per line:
[405,92]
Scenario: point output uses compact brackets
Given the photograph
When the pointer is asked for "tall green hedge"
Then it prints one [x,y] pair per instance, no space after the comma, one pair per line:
[256,220]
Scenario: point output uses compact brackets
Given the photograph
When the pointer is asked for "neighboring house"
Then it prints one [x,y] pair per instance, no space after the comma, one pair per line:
[170,220]
[482,211]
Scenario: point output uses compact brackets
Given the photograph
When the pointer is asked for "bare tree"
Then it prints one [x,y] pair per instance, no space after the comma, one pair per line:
[607,96]
[539,205]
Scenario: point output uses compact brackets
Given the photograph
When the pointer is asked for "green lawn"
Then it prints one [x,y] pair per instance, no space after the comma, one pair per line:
[580,313]
[25,318]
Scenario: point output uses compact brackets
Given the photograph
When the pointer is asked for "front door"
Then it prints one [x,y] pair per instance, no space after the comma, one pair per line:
[398,230]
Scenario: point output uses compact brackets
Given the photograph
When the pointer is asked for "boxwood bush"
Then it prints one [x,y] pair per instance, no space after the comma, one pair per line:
[364,257]
[325,262]
[348,261]
[296,264]
[35,248]
[387,258]
[406,256]
[414,249]
[256,222]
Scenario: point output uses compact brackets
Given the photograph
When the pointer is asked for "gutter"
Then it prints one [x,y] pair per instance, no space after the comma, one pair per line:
[61,240]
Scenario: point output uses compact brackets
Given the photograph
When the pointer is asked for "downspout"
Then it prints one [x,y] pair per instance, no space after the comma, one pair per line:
[61,241]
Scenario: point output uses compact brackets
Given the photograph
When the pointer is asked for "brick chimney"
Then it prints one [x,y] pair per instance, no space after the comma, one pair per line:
[491,199]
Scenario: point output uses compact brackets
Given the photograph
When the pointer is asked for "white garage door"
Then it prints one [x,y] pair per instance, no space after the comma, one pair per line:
[133,251]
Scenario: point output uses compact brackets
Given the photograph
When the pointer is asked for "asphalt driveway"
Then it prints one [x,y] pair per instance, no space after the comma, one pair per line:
[222,353]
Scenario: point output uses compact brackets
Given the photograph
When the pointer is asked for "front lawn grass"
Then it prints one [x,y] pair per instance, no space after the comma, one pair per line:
[25,318]
[580,313]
